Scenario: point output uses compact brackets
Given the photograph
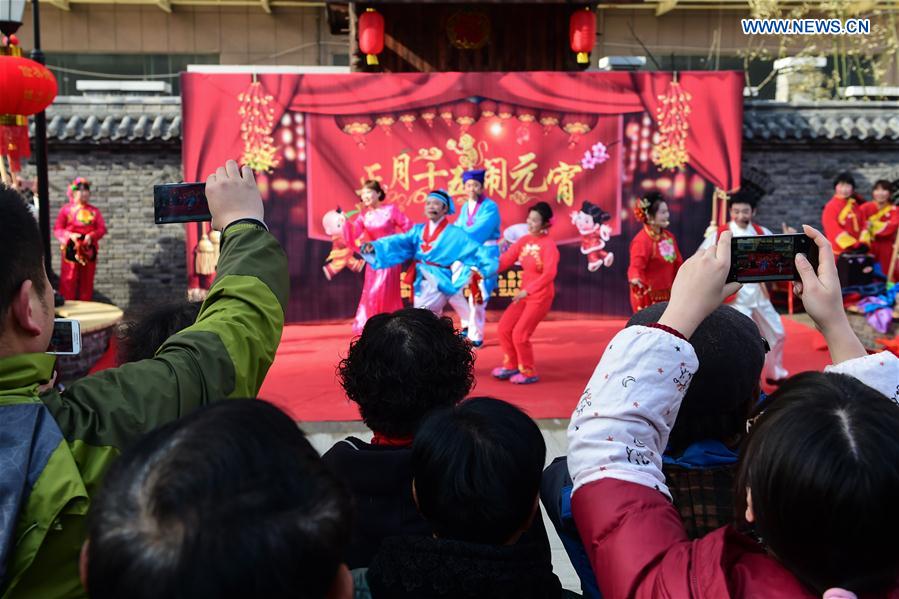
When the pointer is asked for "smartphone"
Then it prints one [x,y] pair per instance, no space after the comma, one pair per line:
[66,339]
[180,203]
[769,257]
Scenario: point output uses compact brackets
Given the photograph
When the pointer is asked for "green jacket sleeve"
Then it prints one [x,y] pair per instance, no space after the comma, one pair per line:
[226,353]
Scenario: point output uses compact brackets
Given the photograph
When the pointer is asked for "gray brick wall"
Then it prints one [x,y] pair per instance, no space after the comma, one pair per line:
[803,176]
[140,262]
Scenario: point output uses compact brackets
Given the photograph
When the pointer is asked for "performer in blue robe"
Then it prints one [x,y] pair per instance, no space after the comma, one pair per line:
[479,217]
[445,256]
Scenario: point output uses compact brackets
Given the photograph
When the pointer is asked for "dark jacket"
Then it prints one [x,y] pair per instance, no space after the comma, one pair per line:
[57,446]
[429,568]
[380,480]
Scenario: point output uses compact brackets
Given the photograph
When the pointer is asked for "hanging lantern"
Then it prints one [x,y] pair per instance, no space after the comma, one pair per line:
[407,118]
[548,120]
[356,126]
[487,108]
[428,115]
[505,111]
[468,29]
[371,35]
[576,125]
[582,33]
[446,113]
[466,114]
[385,122]
[526,115]
[28,87]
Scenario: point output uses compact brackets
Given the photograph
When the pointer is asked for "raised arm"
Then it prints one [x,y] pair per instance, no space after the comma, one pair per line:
[508,258]
[226,353]
[392,250]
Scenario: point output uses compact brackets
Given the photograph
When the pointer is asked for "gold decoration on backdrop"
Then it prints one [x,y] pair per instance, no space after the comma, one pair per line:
[672,119]
[257,123]
[468,29]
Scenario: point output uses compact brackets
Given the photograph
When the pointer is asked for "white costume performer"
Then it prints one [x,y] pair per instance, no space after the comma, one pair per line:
[753,301]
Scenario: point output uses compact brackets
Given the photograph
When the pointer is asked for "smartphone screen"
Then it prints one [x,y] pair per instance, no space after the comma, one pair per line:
[768,257]
[180,203]
[66,337]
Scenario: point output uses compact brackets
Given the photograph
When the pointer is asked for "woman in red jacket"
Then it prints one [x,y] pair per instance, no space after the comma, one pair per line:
[818,475]
[655,257]
[882,223]
[79,228]
[539,259]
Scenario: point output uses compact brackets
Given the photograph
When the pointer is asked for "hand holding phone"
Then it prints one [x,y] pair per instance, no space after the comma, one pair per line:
[180,203]
[66,338]
[766,258]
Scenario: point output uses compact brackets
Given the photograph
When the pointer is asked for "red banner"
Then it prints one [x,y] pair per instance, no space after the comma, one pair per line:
[575,158]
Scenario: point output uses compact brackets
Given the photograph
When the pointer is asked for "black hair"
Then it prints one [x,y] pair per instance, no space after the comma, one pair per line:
[731,353]
[844,178]
[376,187]
[141,338]
[403,366]
[599,215]
[822,464]
[22,258]
[231,501]
[742,198]
[653,200]
[544,210]
[477,469]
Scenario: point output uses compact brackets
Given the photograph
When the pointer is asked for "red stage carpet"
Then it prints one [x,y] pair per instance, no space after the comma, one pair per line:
[302,380]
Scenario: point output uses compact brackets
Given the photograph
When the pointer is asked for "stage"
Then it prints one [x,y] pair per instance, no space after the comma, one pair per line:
[303,380]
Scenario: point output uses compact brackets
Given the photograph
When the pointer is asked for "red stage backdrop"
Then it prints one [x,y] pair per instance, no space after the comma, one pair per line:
[559,137]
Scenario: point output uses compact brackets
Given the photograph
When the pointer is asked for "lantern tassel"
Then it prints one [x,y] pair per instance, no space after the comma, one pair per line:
[583,57]
[371,59]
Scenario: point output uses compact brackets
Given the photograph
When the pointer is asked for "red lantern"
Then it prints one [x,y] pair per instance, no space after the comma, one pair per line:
[446,113]
[371,35]
[385,122]
[576,125]
[526,115]
[407,118]
[505,111]
[428,115]
[582,33]
[466,114]
[357,126]
[549,120]
[28,88]
[488,108]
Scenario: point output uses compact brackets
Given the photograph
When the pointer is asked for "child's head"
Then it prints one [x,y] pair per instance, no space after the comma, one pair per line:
[476,471]
[819,480]
[731,354]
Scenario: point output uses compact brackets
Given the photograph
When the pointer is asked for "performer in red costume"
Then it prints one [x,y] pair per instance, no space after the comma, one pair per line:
[882,223]
[655,256]
[539,258]
[844,223]
[79,228]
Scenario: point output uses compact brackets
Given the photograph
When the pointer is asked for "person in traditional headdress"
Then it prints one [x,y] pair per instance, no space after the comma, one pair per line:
[843,220]
[79,228]
[381,291]
[753,299]
[479,217]
[654,254]
[882,217]
[435,247]
[539,258]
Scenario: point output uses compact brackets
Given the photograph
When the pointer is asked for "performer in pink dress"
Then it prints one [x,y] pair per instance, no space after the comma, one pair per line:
[381,291]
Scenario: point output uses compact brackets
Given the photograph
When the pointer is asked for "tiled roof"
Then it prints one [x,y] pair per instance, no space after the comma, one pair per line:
[774,122]
[119,119]
[135,119]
